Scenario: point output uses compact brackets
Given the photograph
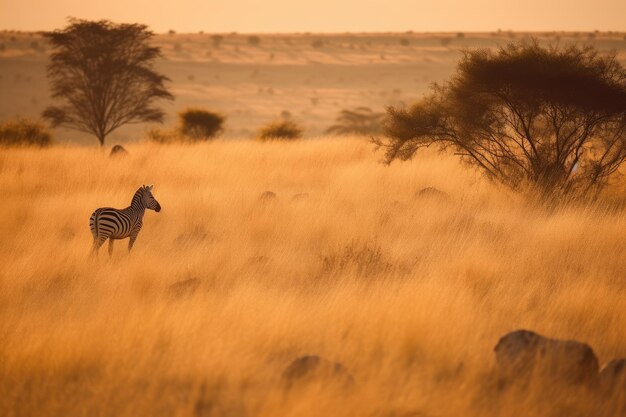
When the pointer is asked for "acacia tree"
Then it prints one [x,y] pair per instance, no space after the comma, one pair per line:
[103,73]
[358,121]
[198,124]
[553,118]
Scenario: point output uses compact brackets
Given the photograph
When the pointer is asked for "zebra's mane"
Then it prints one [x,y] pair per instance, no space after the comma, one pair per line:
[145,188]
[141,191]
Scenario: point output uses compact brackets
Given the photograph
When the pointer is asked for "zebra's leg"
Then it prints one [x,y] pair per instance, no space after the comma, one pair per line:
[97,242]
[110,247]
[131,242]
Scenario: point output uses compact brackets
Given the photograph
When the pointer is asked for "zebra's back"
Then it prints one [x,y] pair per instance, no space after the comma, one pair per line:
[110,222]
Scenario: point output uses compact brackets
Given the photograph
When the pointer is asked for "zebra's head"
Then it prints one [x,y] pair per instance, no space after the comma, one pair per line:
[149,201]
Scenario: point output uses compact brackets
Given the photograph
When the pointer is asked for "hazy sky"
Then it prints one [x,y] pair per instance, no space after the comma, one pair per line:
[324,15]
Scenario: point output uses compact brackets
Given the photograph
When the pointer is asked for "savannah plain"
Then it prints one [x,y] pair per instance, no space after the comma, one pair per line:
[408,291]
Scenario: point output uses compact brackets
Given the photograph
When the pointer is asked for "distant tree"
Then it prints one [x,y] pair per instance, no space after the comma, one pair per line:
[358,121]
[280,130]
[552,118]
[103,73]
[217,39]
[198,124]
[24,132]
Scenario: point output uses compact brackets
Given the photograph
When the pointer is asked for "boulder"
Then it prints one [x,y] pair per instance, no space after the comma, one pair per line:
[310,368]
[185,287]
[268,196]
[433,193]
[613,376]
[522,353]
[118,150]
[300,197]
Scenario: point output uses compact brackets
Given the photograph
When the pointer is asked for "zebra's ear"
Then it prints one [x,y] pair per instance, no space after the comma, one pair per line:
[150,187]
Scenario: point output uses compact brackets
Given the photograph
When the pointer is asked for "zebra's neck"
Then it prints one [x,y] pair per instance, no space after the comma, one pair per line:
[137,203]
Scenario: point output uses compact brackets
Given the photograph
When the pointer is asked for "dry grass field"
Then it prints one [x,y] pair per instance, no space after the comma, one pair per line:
[223,290]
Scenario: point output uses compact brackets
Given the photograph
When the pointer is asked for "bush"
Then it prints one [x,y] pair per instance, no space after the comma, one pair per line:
[24,132]
[281,129]
[163,136]
[254,40]
[405,42]
[217,39]
[198,124]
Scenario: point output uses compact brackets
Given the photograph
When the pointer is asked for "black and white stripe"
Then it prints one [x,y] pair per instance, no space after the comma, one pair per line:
[109,223]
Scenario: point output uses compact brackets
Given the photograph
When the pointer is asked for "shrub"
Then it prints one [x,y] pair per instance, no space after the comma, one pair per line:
[163,136]
[405,42]
[281,129]
[217,39]
[318,43]
[254,40]
[198,124]
[24,132]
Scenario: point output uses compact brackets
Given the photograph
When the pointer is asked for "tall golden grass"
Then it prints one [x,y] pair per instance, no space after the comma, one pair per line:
[410,293]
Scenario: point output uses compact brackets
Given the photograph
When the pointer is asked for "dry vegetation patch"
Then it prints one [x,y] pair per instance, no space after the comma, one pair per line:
[221,293]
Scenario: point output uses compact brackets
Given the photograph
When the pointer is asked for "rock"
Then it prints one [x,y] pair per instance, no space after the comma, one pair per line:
[613,376]
[118,150]
[300,197]
[311,367]
[185,287]
[523,353]
[198,234]
[268,196]
[434,193]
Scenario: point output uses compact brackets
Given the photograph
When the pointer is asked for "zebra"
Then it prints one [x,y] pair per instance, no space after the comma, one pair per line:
[109,223]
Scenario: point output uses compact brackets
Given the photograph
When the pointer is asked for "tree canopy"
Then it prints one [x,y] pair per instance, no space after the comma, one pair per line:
[553,118]
[199,124]
[103,74]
